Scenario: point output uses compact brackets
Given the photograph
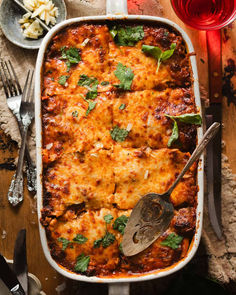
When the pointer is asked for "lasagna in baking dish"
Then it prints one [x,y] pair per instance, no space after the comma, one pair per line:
[119,121]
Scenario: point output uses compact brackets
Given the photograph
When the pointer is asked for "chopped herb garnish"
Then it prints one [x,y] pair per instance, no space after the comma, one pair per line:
[120,223]
[108,218]
[174,135]
[97,243]
[91,84]
[185,118]
[62,80]
[173,241]
[80,239]
[188,118]
[108,239]
[119,134]
[127,35]
[125,75]
[75,114]
[71,56]
[158,54]
[104,83]
[91,106]
[53,79]
[122,106]
[65,242]
[82,263]
[121,248]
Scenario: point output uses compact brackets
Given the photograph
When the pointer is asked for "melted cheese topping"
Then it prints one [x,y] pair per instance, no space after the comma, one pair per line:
[87,174]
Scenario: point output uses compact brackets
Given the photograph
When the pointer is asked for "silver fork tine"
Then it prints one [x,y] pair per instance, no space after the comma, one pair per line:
[11,80]
[28,96]
[4,84]
[25,87]
[16,80]
[6,79]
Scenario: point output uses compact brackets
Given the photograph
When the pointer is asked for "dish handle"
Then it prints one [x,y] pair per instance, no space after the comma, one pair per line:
[116,7]
[118,289]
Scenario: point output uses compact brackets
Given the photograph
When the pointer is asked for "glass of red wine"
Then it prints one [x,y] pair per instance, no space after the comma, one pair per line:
[205,14]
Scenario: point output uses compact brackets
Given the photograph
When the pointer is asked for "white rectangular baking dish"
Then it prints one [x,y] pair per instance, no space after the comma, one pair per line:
[113,8]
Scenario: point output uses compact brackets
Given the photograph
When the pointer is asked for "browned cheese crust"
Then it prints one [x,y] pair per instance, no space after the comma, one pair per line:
[87,173]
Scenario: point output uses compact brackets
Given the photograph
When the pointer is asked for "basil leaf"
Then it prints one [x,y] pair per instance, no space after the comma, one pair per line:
[82,263]
[119,134]
[188,118]
[122,106]
[65,242]
[108,218]
[80,239]
[174,135]
[125,75]
[127,35]
[173,241]
[91,106]
[62,80]
[108,239]
[97,243]
[168,53]
[158,54]
[75,114]
[120,223]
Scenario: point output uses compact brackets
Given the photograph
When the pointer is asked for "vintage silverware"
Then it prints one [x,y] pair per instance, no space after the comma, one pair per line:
[213,113]
[152,214]
[15,194]
[20,266]
[9,278]
[13,94]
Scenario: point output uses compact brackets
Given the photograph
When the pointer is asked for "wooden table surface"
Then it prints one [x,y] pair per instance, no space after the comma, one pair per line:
[24,216]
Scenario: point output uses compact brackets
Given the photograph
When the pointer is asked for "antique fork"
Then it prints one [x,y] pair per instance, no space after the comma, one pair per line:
[13,94]
[15,194]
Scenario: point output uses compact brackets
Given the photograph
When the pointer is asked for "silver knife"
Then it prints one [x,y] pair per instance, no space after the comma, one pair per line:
[214,113]
[20,266]
[9,278]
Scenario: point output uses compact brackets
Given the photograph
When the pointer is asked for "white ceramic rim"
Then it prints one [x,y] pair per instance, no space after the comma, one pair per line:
[39,64]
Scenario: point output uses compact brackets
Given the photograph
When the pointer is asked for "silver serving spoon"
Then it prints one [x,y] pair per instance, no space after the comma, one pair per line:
[152,214]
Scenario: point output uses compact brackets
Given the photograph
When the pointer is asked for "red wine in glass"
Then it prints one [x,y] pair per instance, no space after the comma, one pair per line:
[205,14]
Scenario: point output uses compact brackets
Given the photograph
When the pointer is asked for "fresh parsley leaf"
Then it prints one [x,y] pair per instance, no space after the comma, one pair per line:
[65,242]
[173,241]
[104,83]
[188,118]
[120,223]
[174,135]
[108,218]
[125,75]
[108,239]
[82,263]
[127,35]
[80,239]
[122,106]
[119,134]
[75,114]
[158,54]
[93,92]
[91,106]
[97,243]
[62,80]
[71,56]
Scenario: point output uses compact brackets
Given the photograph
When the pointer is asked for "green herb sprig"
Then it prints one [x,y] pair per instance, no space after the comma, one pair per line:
[118,134]
[82,263]
[125,75]
[127,35]
[158,54]
[71,55]
[173,241]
